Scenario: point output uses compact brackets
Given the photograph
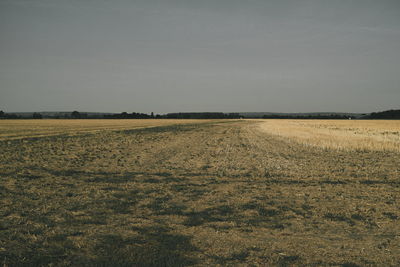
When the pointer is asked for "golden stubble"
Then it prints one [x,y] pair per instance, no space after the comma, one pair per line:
[372,135]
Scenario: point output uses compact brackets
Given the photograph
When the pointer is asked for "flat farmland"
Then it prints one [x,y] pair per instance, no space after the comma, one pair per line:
[17,129]
[219,193]
[381,135]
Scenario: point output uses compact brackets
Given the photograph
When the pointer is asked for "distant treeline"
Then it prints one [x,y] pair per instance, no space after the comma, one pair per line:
[4,115]
[133,115]
[122,115]
[385,115]
[195,115]
[388,115]
[202,115]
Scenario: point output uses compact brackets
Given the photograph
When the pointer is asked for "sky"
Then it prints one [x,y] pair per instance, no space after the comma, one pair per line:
[199,55]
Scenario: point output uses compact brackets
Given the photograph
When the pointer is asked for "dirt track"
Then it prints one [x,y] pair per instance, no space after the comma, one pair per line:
[207,194]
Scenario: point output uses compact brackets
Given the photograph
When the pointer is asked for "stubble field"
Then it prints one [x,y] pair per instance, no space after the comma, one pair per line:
[211,193]
[18,129]
[362,135]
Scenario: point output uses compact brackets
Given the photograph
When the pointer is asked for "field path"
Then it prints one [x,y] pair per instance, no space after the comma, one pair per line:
[218,193]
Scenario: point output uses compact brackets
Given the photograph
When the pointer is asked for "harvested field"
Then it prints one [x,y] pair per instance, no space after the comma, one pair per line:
[17,129]
[216,193]
[383,135]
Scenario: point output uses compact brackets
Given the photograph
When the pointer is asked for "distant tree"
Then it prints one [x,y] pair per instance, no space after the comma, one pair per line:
[37,116]
[152,115]
[2,114]
[75,115]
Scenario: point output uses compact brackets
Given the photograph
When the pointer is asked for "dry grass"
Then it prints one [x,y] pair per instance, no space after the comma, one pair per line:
[16,129]
[382,135]
[211,194]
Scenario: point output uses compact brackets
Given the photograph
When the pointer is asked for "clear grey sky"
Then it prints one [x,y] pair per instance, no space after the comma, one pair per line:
[199,55]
